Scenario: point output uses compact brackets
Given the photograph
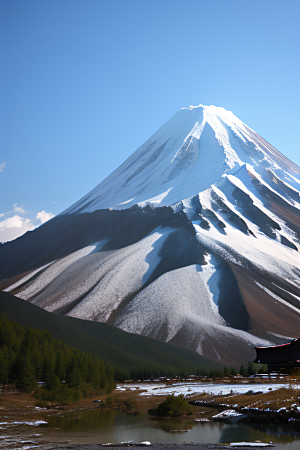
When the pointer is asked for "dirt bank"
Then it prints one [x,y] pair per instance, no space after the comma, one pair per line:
[189,446]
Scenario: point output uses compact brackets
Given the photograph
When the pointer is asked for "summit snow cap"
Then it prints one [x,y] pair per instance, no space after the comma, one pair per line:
[194,150]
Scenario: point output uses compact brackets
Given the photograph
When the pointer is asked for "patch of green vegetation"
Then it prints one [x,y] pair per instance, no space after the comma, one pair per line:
[173,407]
[29,356]
[115,402]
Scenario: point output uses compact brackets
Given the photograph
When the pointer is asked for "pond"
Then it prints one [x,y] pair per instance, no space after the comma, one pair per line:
[99,426]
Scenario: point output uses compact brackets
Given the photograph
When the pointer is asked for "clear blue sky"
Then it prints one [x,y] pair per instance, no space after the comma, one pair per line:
[85,82]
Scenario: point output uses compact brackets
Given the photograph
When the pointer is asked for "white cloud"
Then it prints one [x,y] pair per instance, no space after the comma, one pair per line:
[12,222]
[13,227]
[19,209]
[43,216]
[2,166]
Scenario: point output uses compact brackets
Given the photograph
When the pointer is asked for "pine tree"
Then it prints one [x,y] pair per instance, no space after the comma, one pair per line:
[4,365]
[73,374]
[232,371]
[60,367]
[242,370]
[250,369]
[24,371]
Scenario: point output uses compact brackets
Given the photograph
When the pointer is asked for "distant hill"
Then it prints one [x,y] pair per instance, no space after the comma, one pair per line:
[132,355]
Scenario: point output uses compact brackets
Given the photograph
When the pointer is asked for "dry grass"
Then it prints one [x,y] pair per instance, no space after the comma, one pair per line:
[274,399]
[15,405]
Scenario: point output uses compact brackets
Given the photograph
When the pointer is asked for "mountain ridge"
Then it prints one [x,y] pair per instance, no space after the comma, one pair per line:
[193,240]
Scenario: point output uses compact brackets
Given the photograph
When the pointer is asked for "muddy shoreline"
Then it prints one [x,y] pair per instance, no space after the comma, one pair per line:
[17,407]
[190,446]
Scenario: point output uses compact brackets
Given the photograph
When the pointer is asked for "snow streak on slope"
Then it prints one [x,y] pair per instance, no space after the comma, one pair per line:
[91,285]
[237,246]
[180,303]
[175,296]
[35,284]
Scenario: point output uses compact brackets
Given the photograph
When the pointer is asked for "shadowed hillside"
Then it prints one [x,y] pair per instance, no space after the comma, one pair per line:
[132,355]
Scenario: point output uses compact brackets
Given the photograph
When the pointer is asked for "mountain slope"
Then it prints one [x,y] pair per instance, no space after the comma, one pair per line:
[127,352]
[194,240]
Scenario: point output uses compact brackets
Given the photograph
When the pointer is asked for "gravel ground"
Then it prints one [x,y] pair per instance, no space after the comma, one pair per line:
[142,447]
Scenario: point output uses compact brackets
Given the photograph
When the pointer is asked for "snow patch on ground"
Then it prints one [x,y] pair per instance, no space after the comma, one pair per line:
[188,389]
[34,423]
[229,413]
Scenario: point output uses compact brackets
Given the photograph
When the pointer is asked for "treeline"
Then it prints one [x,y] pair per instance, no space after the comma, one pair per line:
[29,356]
[251,369]
[155,371]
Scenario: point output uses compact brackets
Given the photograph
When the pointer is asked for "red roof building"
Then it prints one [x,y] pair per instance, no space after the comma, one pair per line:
[283,357]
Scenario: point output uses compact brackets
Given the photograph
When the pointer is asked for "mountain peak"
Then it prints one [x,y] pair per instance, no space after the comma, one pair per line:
[192,151]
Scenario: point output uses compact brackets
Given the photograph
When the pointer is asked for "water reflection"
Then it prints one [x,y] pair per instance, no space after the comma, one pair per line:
[83,421]
[174,426]
[115,427]
[283,433]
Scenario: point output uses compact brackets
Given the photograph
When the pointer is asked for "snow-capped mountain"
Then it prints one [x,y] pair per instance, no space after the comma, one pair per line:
[193,240]
[194,150]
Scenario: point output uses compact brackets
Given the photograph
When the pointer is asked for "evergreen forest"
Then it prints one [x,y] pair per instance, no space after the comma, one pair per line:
[34,361]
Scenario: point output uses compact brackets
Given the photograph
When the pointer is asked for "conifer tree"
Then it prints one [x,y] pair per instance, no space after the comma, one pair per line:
[4,365]
[242,370]
[232,371]
[24,371]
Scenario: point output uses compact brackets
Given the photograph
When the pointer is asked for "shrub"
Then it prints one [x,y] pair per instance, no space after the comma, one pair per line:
[173,406]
